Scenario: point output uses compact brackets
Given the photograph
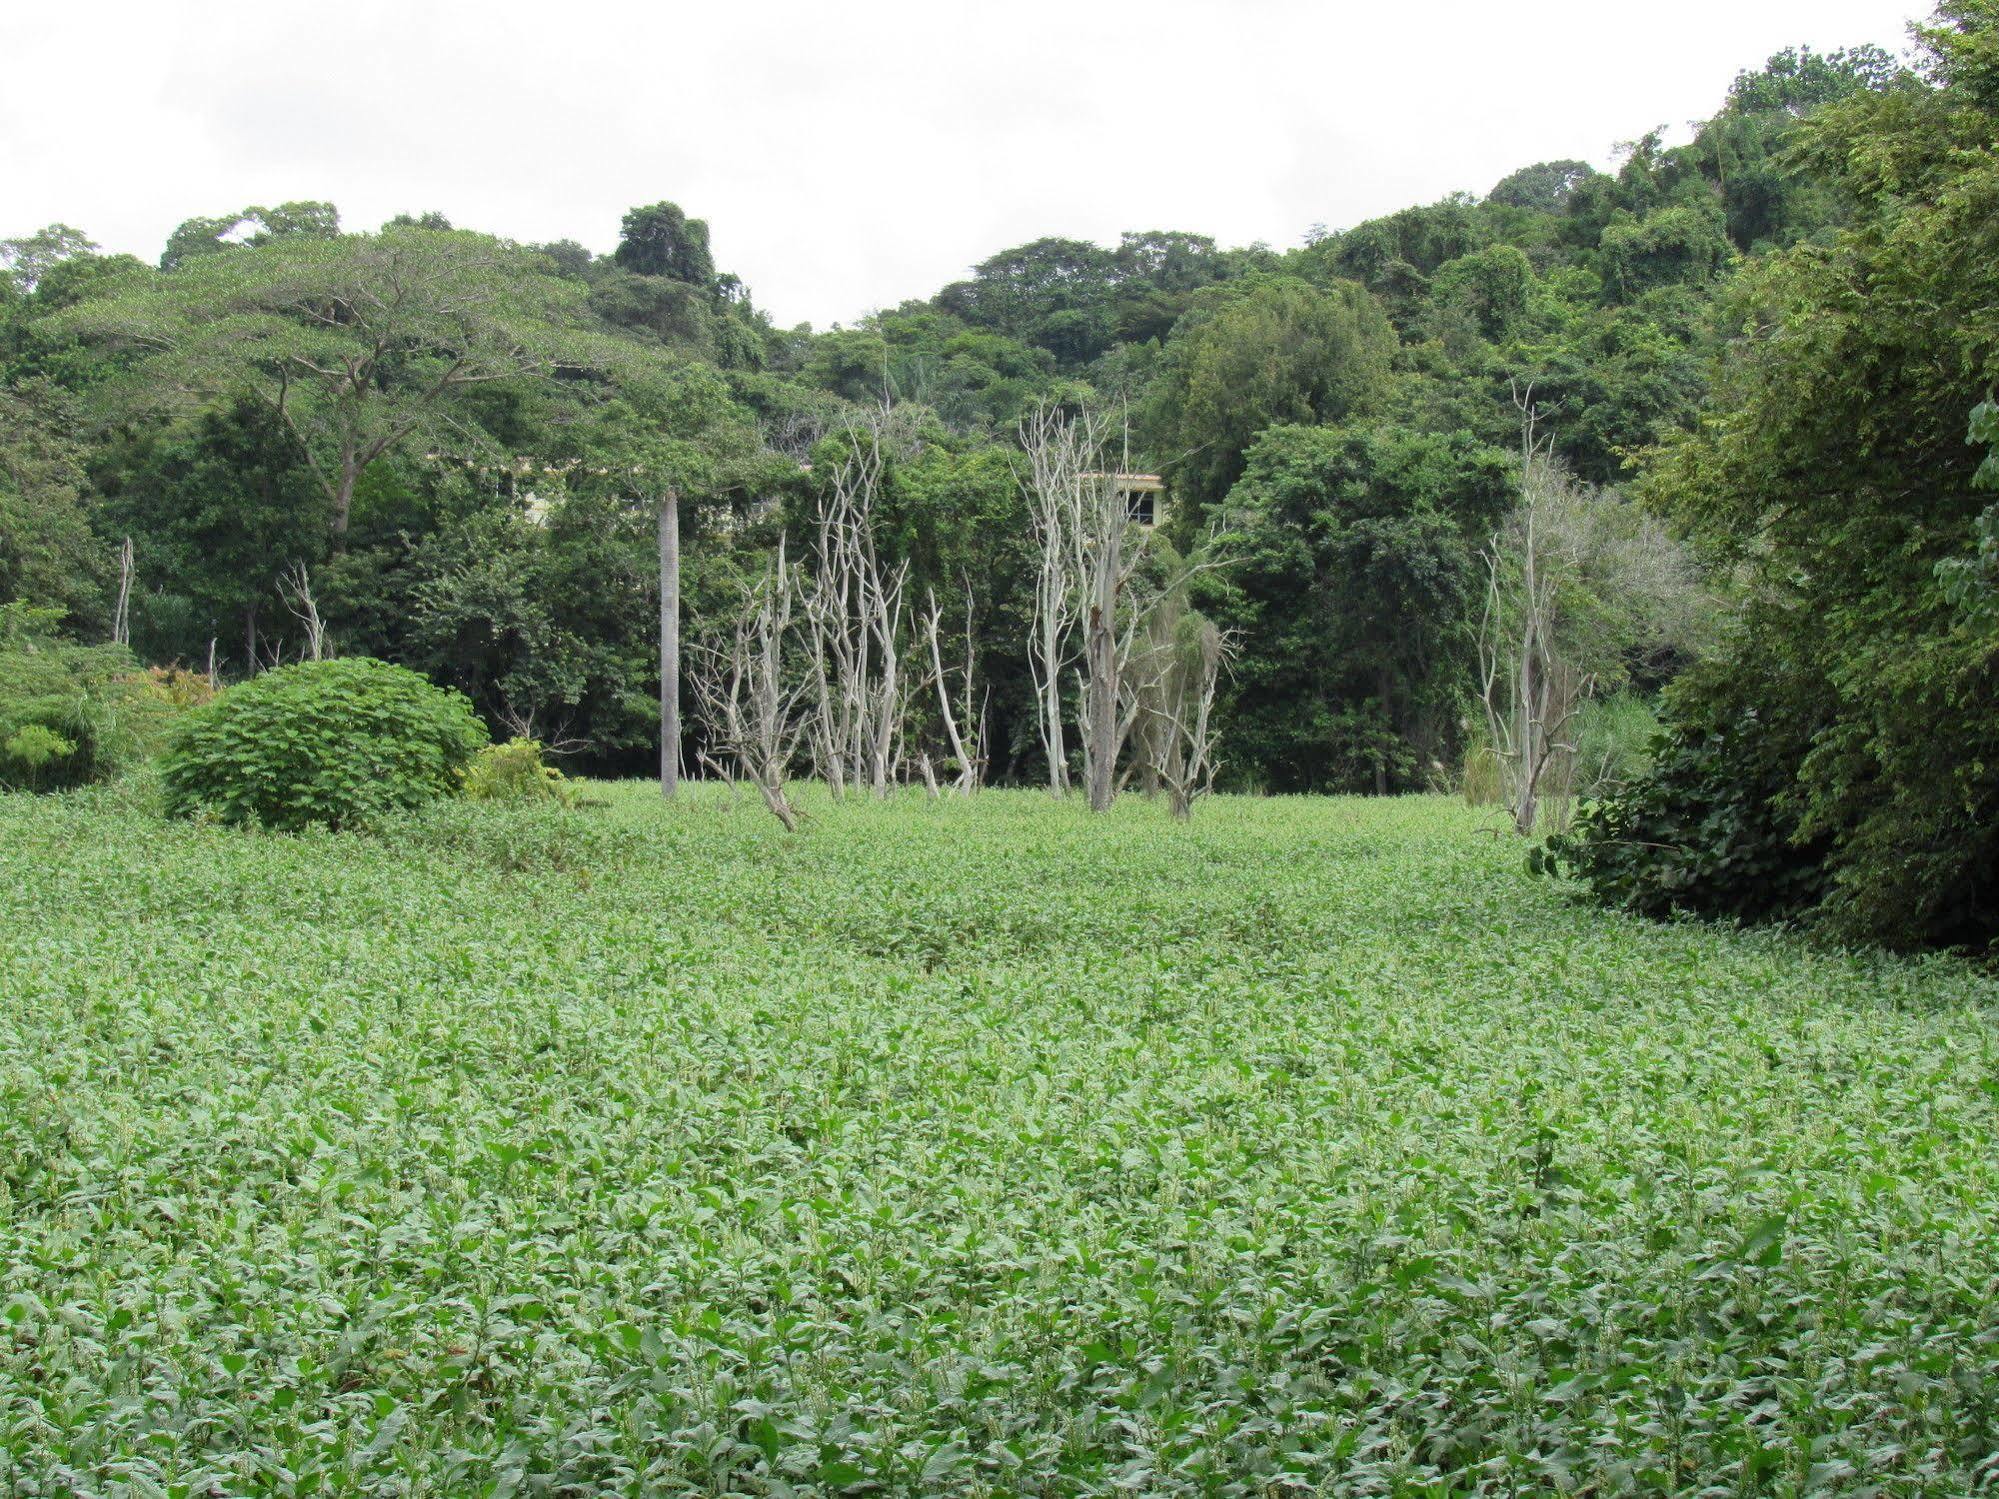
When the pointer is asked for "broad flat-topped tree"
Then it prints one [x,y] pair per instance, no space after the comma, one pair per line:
[358,343]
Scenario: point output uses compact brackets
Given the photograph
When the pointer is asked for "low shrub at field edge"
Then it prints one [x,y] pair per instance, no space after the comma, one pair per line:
[514,772]
[978,1148]
[340,743]
[71,714]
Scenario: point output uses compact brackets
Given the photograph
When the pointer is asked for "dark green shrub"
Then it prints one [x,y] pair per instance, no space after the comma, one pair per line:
[70,714]
[1709,829]
[340,743]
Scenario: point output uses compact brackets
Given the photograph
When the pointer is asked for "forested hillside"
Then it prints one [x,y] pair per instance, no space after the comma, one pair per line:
[1746,364]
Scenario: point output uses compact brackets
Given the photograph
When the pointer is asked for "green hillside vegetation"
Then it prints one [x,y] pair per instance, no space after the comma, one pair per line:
[1775,336]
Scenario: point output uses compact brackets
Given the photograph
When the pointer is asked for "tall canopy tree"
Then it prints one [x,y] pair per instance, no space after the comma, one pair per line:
[1257,353]
[308,219]
[49,557]
[1357,569]
[660,240]
[1833,466]
[357,344]
[28,259]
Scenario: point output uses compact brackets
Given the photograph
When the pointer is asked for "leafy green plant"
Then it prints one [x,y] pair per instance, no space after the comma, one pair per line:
[515,836]
[71,714]
[1613,737]
[178,687]
[969,1148]
[514,771]
[1481,782]
[339,743]
[32,748]
[1709,829]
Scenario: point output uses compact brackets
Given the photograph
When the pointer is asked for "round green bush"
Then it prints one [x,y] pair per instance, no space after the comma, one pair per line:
[340,743]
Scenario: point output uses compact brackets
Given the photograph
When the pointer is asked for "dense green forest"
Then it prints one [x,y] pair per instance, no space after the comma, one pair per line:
[1745,372]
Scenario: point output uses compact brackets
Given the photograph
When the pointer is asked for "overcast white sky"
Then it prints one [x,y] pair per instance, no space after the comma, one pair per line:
[849,155]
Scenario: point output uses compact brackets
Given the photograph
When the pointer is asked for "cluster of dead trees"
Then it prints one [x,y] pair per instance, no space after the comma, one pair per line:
[833,668]
[1112,616]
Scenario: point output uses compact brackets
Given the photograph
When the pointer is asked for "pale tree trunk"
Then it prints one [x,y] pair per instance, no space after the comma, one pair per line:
[669,644]
[1527,804]
[742,684]
[1103,658]
[1057,454]
[1186,694]
[295,588]
[855,618]
[1383,687]
[348,476]
[966,755]
[121,620]
[1080,521]
[1050,701]
[1530,692]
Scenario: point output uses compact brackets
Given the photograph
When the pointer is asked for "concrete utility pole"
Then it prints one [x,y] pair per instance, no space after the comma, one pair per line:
[669,643]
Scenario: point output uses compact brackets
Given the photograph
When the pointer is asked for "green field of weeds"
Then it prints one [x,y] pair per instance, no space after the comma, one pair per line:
[970,1147]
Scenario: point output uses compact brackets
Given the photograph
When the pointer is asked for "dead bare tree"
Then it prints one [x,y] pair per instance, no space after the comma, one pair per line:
[1529,692]
[751,701]
[1101,563]
[121,617]
[295,588]
[856,617]
[724,768]
[966,754]
[793,432]
[1059,451]
[1085,580]
[1580,583]
[524,723]
[1186,712]
[669,642]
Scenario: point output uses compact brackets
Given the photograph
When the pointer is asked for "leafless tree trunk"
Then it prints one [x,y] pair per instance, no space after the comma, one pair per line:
[751,706]
[295,588]
[121,618]
[1100,686]
[1058,455]
[669,643]
[1529,694]
[1085,578]
[725,768]
[1187,716]
[970,763]
[211,662]
[856,618]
